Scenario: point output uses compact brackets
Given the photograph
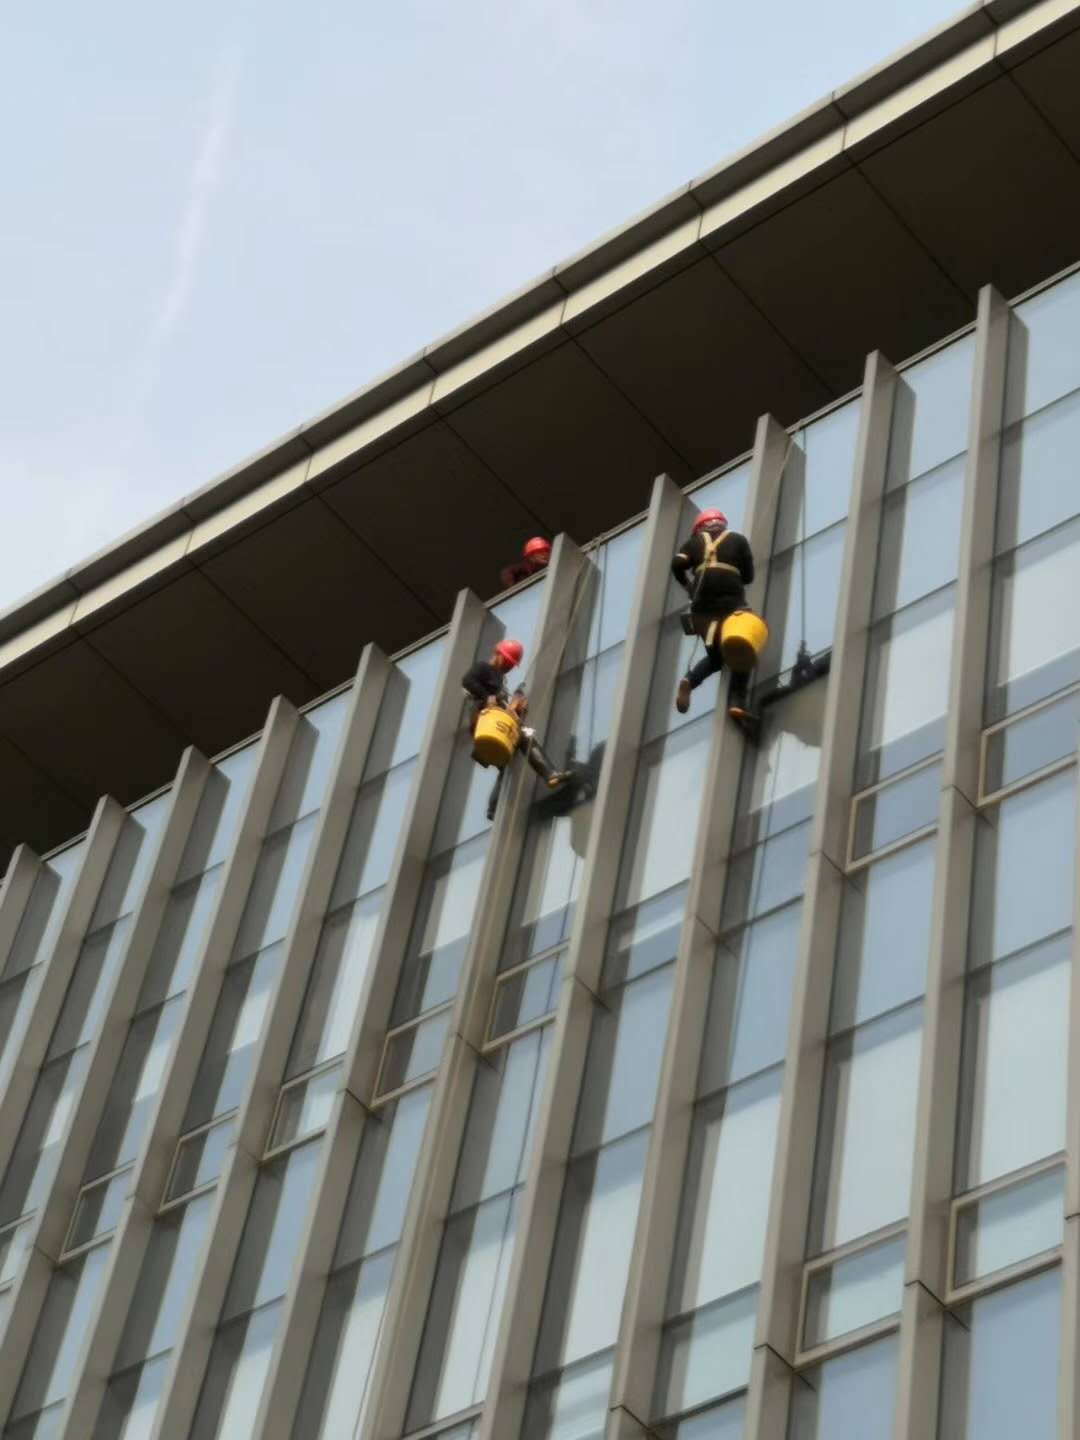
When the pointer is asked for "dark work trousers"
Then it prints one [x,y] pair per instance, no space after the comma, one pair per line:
[713,661]
[537,761]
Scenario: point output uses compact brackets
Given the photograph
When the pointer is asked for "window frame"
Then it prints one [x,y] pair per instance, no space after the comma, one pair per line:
[957,1295]
[986,799]
[808,1356]
[854,863]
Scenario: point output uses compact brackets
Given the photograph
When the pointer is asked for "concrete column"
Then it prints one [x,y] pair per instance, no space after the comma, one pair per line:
[240,1170]
[644,1308]
[925,1275]
[538,1215]
[128,1246]
[20,1069]
[55,1213]
[785,1236]
[318,1240]
[1069,1372]
[18,883]
[429,1200]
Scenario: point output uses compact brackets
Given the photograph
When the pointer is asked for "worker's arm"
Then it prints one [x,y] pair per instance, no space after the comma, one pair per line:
[745,560]
[475,682]
[683,561]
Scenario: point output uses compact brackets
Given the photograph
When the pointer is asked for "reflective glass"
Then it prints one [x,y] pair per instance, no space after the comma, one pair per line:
[274,888]
[311,757]
[413,1053]
[887,815]
[305,1107]
[199,1158]
[800,607]
[98,1210]
[44,911]
[502,1115]
[129,866]
[866,1138]
[90,987]
[1000,1370]
[379,1193]
[30,1170]
[214,829]
[1034,638]
[1043,360]
[920,538]
[1025,846]
[134,1089]
[234,1033]
[1012,1109]
[618,560]
[707,1354]
[571,1406]
[854,1291]
[593,1243]
[626,1045]
[747,1026]
[779,775]
[441,929]
[65,1317]
[930,412]
[722,1422]
[406,707]
[1010,1225]
[374,830]
[173,1256]
[235,1376]
[816,486]
[726,1192]
[180,938]
[726,492]
[645,937]
[1032,742]
[274,1222]
[129,1406]
[850,1397]
[766,877]
[1036,488]
[880,964]
[906,694]
[13,1246]
[675,652]
[527,994]
[336,984]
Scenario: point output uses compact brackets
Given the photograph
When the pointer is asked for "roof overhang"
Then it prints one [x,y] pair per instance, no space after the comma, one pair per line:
[867,222]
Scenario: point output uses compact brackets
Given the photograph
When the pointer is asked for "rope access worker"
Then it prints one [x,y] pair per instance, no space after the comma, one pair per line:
[714,566]
[535,554]
[485,684]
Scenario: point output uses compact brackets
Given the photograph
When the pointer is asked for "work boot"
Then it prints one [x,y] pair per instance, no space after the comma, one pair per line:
[682,696]
[559,777]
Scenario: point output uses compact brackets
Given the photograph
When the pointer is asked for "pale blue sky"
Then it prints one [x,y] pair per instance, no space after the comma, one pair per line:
[221,217]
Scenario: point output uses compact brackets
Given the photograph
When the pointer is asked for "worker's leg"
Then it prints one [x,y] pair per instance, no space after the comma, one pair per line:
[496,791]
[709,664]
[738,696]
[539,762]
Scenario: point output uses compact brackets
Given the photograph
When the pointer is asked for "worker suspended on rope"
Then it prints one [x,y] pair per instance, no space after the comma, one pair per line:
[500,713]
[535,554]
[714,566]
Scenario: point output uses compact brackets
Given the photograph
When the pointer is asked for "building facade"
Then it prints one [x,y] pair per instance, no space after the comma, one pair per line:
[731,1095]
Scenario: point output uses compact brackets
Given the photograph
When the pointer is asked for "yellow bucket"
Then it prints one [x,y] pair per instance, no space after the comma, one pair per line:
[495,738]
[742,639]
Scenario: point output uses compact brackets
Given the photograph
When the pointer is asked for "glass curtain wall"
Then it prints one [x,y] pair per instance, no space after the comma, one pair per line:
[712,1297]
[568,1395]
[253,1305]
[910,644]
[73,1289]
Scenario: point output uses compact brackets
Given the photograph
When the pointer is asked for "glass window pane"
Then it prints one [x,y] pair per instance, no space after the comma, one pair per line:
[90,987]
[1032,742]
[414,1053]
[726,492]
[134,1088]
[305,1107]
[441,929]
[866,1139]
[880,964]
[1034,638]
[619,560]
[173,1256]
[706,1355]
[920,538]
[336,984]
[724,1422]
[371,841]
[726,1193]
[779,775]
[235,1377]
[1025,847]
[98,1210]
[1043,359]
[526,995]
[311,757]
[1010,1225]
[43,913]
[593,1244]
[30,1171]
[817,478]
[382,1179]
[854,1292]
[406,707]
[129,1407]
[573,1406]
[134,853]
[1013,1099]
[273,1227]
[662,825]
[274,888]
[218,816]
[234,1033]
[644,937]
[626,1044]
[747,1025]
[199,1158]
[1000,1372]
[1036,488]
[180,939]
[848,1398]
[804,588]
[502,1114]
[766,877]
[930,413]
[65,1318]
[907,681]
[887,815]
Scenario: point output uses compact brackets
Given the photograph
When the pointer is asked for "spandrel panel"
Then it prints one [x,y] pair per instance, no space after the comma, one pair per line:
[850,1397]
[1000,1364]
[593,1243]
[866,1138]
[1031,743]
[1010,1225]
[800,608]
[930,411]
[707,1354]
[750,1001]
[1043,360]
[779,776]
[726,1191]
[881,964]
[463,1316]
[626,1044]
[816,486]
[1034,637]
[906,693]
[1012,1107]
[1025,847]
[502,1116]
[920,538]
[570,1406]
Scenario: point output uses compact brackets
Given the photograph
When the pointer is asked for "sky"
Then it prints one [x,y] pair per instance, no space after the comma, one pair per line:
[218,219]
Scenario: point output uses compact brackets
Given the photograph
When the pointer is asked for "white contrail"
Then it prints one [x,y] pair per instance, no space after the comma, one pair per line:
[206,176]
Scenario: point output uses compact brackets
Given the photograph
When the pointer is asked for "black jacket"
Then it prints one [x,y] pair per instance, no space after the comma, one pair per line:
[482,681]
[720,584]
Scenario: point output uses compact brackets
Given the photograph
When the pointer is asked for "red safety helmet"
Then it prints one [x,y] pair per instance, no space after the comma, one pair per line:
[537,548]
[710,517]
[511,651]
